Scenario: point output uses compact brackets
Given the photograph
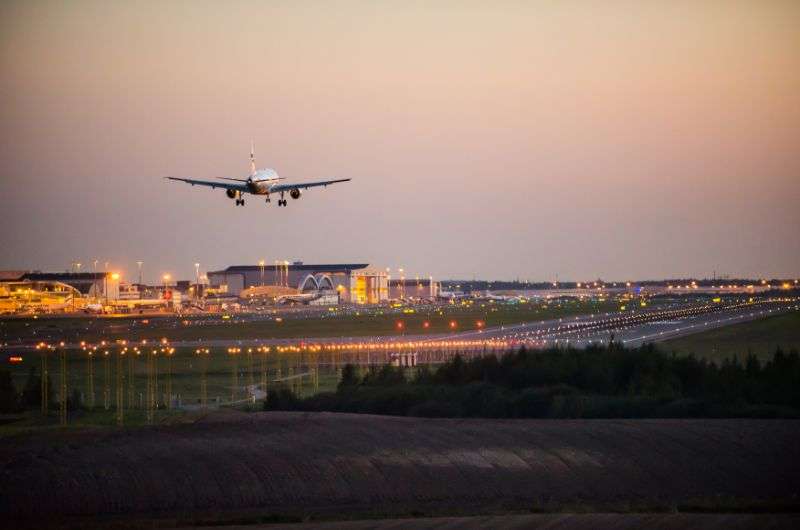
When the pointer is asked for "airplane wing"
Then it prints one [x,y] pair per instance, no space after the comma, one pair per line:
[212,184]
[303,186]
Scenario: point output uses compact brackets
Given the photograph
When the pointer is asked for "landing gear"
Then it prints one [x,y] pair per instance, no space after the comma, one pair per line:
[281,202]
[239,202]
[267,201]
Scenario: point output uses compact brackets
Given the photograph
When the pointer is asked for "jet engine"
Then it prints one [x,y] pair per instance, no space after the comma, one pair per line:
[295,193]
[232,194]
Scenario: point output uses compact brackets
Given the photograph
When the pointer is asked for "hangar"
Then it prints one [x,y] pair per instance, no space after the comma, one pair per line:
[352,282]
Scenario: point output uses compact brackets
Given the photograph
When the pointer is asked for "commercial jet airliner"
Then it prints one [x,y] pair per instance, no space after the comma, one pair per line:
[260,182]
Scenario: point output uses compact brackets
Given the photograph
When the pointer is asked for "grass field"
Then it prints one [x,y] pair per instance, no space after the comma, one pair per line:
[372,321]
[226,377]
[760,337]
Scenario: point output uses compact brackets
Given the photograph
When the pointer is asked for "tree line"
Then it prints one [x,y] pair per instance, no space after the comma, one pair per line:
[596,382]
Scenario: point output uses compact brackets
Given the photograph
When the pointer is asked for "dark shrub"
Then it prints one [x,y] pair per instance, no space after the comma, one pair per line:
[9,401]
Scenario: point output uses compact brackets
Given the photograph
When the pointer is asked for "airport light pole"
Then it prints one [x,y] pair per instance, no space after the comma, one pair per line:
[196,280]
[115,277]
[94,280]
[261,264]
[139,264]
[166,279]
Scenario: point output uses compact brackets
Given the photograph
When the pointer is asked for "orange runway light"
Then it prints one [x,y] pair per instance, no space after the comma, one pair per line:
[15,359]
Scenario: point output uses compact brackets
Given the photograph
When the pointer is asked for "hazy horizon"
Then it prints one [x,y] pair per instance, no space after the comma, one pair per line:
[497,140]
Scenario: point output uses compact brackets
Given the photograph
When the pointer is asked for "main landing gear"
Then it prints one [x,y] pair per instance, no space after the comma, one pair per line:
[281,201]
[239,202]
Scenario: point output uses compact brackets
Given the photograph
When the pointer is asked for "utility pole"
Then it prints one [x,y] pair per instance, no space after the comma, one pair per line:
[62,416]
[234,373]
[90,370]
[202,359]
[264,370]
[169,378]
[106,381]
[45,376]
[131,383]
[120,389]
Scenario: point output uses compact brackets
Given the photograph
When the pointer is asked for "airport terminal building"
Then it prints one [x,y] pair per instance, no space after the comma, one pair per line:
[54,291]
[349,282]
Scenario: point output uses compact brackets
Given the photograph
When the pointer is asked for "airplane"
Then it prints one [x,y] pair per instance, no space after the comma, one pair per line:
[260,182]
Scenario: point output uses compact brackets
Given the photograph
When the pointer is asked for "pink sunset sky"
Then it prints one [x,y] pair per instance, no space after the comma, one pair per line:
[578,139]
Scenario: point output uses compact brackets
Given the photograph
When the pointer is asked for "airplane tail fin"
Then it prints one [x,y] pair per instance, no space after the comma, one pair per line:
[252,159]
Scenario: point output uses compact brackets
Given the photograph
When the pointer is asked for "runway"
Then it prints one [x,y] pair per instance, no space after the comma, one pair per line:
[633,328]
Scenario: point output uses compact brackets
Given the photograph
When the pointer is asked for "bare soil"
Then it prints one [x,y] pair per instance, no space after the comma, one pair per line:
[601,521]
[286,466]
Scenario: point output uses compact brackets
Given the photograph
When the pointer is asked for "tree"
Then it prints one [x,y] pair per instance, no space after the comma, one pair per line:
[32,392]
[8,394]
[349,379]
[280,399]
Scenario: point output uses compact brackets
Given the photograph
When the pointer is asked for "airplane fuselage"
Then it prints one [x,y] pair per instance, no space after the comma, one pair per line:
[262,181]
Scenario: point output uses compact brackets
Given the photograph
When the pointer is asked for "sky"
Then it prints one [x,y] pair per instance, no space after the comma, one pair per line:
[539,140]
